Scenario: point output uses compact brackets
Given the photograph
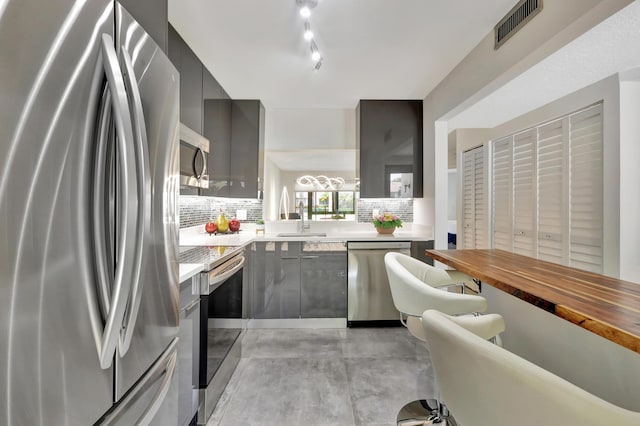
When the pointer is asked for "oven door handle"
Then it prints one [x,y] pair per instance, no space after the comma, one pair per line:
[214,280]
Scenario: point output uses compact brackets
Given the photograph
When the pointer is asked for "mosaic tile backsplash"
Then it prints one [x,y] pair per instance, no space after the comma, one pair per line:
[402,207]
[195,210]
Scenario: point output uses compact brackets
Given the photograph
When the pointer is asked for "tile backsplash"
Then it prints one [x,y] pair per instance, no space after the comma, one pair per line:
[195,210]
[401,207]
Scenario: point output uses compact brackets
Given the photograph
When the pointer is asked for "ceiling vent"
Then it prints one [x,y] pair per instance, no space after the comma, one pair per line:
[521,13]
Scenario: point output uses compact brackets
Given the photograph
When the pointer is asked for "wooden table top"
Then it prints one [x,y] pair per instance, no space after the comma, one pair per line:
[603,305]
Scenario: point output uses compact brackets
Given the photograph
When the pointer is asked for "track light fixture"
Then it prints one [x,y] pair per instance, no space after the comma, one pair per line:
[305,7]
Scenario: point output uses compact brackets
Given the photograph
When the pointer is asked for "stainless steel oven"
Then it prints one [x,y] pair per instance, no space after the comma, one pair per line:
[194,152]
[221,329]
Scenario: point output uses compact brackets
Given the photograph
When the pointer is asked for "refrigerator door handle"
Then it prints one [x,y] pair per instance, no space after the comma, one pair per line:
[129,204]
[101,221]
[143,188]
[159,397]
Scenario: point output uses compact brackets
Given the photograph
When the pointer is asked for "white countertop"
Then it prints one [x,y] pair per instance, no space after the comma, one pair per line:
[196,236]
[188,270]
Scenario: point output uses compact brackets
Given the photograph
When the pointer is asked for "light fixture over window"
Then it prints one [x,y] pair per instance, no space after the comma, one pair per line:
[305,7]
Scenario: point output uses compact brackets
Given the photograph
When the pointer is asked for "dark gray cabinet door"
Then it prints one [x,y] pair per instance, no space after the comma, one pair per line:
[323,286]
[190,89]
[247,148]
[276,280]
[217,128]
[174,46]
[389,141]
[153,16]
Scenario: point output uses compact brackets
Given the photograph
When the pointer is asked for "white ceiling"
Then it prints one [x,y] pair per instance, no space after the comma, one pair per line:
[608,48]
[372,49]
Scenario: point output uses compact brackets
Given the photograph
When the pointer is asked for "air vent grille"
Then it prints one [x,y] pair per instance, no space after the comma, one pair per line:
[521,13]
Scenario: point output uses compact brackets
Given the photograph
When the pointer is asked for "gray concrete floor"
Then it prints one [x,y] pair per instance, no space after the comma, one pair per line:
[360,376]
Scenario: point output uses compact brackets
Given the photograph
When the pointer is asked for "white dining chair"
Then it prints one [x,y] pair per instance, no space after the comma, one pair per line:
[486,385]
[416,287]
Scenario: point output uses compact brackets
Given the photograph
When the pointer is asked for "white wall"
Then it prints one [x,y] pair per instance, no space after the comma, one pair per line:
[485,70]
[630,176]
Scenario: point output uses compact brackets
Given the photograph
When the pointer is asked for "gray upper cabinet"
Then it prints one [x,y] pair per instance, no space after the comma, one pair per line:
[174,44]
[235,129]
[152,15]
[246,173]
[217,128]
[191,78]
[389,144]
[190,89]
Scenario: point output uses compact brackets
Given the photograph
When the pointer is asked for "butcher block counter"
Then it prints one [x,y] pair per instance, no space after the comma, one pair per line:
[606,306]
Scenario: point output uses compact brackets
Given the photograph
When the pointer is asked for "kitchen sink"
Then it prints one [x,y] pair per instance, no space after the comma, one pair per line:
[302,234]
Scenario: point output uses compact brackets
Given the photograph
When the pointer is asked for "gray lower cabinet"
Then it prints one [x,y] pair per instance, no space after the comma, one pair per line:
[299,280]
[323,285]
[276,280]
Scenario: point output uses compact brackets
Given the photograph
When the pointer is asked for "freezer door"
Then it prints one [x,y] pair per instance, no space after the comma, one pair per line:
[51,324]
[152,315]
[154,399]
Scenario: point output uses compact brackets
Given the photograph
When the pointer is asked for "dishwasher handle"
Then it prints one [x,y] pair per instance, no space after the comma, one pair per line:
[379,245]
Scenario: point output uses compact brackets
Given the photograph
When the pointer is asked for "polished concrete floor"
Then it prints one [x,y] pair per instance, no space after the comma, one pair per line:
[360,376]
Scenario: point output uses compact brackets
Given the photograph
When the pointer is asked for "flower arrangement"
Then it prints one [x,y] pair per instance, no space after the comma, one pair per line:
[387,220]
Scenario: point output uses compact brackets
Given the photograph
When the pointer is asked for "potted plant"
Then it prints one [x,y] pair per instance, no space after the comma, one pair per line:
[260,226]
[386,223]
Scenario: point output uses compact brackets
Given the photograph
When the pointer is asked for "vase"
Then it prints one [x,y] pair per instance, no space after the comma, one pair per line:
[382,230]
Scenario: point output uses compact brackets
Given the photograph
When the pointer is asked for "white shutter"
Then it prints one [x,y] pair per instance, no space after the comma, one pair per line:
[524,193]
[468,200]
[501,197]
[585,246]
[479,196]
[551,192]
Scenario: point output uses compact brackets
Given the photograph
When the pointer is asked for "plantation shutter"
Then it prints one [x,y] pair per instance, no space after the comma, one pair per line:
[479,197]
[468,201]
[473,207]
[524,193]
[552,141]
[585,246]
[501,196]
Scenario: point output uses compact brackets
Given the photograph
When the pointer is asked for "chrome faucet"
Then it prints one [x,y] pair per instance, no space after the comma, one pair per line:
[301,226]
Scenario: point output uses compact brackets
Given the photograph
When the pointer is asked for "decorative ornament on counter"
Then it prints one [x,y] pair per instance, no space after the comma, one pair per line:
[386,223]
[222,223]
[234,225]
[260,226]
[210,227]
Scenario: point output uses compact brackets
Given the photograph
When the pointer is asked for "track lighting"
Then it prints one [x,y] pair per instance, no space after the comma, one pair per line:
[308,34]
[305,7]
[305,12]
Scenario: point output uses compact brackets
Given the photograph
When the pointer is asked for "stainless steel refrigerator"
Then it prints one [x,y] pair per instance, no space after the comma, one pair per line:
[89,181]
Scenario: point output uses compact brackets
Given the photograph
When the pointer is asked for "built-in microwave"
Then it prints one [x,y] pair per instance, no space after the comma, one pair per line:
[194,151]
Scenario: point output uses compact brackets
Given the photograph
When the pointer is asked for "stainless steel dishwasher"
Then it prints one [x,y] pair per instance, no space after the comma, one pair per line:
[368,295]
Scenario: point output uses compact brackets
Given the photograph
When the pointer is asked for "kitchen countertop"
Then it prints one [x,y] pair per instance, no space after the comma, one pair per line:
[188,270]
[240,239]
[219,247]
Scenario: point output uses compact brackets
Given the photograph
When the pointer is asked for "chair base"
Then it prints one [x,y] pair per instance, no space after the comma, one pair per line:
[425,412]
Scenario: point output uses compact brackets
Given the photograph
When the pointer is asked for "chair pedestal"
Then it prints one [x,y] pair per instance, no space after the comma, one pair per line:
[425,412]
